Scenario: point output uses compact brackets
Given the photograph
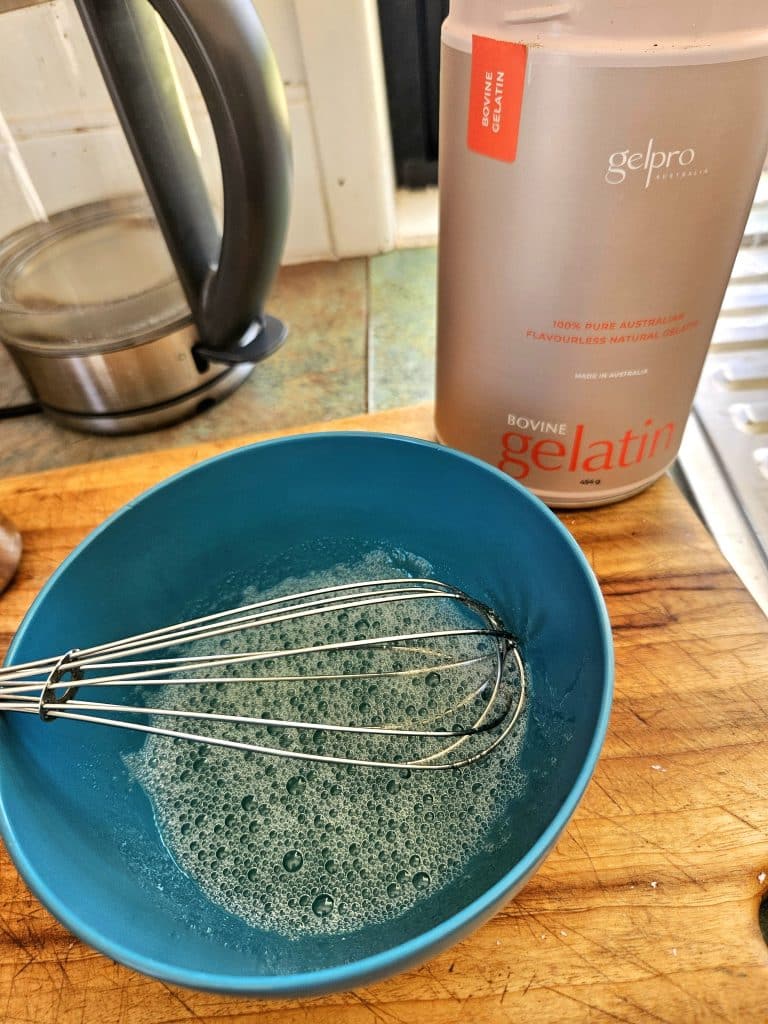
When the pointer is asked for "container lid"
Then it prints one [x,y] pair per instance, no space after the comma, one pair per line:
[617,32]
[93,278]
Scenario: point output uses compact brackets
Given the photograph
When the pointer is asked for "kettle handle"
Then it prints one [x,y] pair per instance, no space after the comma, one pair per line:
[225,277]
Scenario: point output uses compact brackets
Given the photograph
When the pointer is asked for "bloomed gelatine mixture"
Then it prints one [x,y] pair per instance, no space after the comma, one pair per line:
[304,848]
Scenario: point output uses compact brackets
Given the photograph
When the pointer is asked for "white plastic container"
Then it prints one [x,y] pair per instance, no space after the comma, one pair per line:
[598,161]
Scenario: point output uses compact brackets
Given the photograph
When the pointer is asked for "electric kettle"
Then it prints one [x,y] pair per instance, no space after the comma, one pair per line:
[128,299]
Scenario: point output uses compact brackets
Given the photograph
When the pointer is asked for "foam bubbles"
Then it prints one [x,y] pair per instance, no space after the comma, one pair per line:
[302,848]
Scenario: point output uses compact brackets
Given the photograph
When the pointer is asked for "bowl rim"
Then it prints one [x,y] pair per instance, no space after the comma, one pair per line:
[353,973]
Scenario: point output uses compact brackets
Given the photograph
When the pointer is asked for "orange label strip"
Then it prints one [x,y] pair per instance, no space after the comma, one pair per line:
[496,97]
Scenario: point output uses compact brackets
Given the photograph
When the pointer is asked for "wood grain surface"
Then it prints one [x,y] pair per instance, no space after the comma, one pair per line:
[647,910]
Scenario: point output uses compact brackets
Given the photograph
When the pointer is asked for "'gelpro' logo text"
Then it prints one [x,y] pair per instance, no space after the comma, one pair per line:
[650,165]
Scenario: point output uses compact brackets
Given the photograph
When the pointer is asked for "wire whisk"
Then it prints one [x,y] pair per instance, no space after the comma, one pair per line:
[441,686]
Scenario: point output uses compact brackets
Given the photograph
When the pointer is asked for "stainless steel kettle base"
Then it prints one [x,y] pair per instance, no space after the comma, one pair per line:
[153,417]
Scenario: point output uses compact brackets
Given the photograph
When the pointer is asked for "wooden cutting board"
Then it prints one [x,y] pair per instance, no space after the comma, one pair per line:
[647,910]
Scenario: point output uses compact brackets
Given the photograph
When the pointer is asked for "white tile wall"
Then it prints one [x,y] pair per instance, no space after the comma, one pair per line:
[342,56]
[61,145]
[49,80]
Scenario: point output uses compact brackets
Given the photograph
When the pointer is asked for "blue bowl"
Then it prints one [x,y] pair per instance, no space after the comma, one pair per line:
[82,832]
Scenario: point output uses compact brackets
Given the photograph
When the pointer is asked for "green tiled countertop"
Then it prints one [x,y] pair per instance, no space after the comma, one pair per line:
[362,338]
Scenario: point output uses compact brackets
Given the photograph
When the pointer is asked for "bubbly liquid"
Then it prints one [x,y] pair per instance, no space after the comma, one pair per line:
[302,848]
